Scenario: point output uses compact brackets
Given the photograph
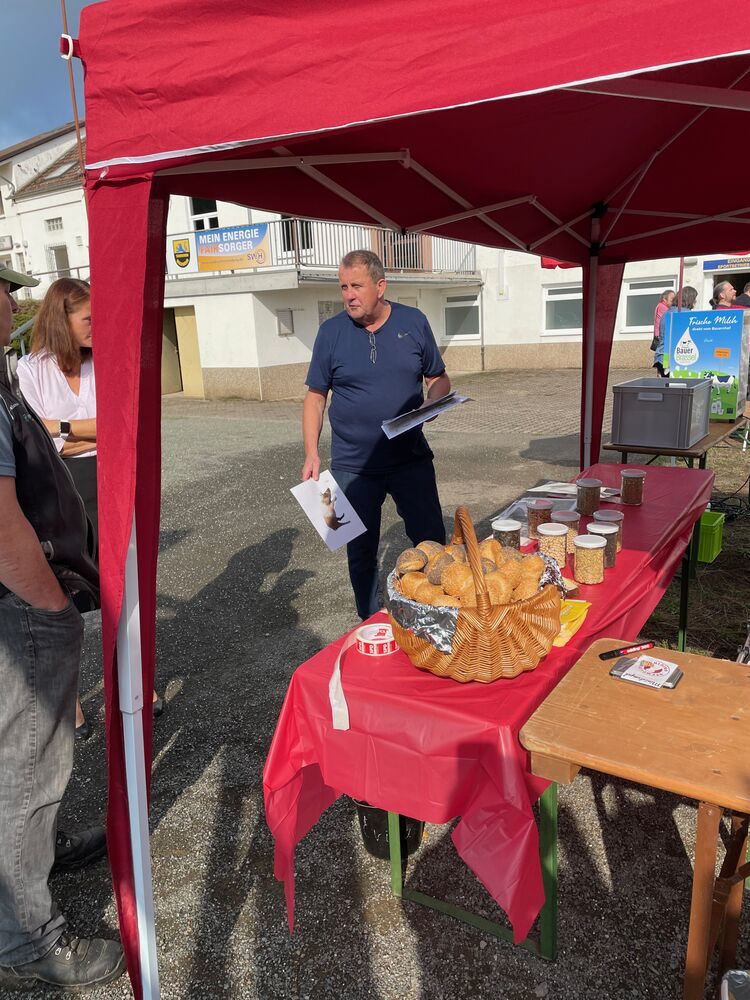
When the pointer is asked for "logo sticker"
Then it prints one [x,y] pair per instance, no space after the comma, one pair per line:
[181,251]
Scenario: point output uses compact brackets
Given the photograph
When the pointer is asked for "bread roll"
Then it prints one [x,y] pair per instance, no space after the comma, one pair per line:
[488,566]
[431,549]
[411,561]
[533,566]
[409,583]
[490,548]
[454,577]
[447,602]
[499,588]
[511,570]
[427,593]
[435,567]
[467,594]
[526,588]
[457,550]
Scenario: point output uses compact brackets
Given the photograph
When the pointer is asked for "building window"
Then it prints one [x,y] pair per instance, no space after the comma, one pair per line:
[462,317]
[285,322]
[53,225]
[303,229]
[20,263]
[203,213]
[642,298]
[563,309]
[2,206]
[57,260]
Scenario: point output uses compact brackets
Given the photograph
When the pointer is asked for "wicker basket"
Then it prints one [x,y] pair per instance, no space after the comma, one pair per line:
[490,641]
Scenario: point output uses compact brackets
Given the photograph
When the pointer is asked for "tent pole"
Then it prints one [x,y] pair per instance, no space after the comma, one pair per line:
[130,685]
[590,341]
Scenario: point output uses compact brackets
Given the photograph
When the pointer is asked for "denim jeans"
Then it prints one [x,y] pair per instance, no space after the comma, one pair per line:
[415,494]
[40,653]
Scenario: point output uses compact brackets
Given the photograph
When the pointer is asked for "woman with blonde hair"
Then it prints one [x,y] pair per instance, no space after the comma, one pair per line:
[57,381]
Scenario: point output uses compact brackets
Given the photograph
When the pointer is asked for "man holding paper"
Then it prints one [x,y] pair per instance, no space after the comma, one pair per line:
[374,358]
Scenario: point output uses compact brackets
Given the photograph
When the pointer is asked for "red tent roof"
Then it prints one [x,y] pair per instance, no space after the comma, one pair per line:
[468,105]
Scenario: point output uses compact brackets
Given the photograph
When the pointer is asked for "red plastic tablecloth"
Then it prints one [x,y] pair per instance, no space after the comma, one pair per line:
[434,749]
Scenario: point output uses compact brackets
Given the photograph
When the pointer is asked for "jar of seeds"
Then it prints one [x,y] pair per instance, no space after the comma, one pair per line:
[507,532]
[571,519]
[588,564]
[611,517]
[552,541]
[589,492]
[631,486]
[539,512]
[609,533]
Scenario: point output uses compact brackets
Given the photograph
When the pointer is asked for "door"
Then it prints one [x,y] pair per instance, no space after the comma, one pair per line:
[171,379]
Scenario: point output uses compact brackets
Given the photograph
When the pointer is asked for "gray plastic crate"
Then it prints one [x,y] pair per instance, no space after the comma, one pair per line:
[660,412]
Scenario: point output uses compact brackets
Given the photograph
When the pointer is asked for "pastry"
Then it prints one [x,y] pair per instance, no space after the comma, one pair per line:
[488,566]
[411,561]
[409,583]
[511,570]
[447,602]
[526,588]
[454,577]
[431,549]
[499,588]
[427,593]
[490,548]
[435,567]
[457,550]
[467,594]
[533,566]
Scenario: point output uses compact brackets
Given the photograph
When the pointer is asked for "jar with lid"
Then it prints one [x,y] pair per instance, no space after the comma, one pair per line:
[571,519]
[631,486]
[609,533]
[539,512]
[611,517]
[552,541]
[588,563]
[589,493]
[507,532]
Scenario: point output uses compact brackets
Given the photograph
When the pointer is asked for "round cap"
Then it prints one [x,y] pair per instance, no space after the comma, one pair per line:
[589,483]
[609,515]
[506,524]
[589,541]
[552,528]
[565,516]
[633,473]
[603,529]
[540,504]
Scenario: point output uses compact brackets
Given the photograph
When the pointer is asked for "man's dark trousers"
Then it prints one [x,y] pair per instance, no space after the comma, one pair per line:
[415,494]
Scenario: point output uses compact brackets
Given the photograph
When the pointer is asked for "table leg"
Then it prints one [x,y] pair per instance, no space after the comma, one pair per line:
[690,461]
[624,457]
[548,857]
[734,903]
[684,594]
[694,543]
[702,900]
[702,460]
[394,843]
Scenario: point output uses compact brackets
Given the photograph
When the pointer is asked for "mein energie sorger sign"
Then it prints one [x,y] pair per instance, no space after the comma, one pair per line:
[232,248]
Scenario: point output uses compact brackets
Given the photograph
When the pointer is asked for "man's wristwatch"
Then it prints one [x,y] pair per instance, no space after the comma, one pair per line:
[64,429]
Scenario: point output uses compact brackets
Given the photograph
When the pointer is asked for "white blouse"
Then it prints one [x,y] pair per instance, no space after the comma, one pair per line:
[47,392]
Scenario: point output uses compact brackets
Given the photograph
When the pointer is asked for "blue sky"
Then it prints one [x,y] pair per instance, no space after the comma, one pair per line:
[36,78]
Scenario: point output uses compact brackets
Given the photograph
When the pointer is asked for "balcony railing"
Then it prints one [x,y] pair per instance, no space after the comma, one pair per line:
[308,246]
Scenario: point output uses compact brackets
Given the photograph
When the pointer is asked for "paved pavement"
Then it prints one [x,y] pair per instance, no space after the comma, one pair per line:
[246,593]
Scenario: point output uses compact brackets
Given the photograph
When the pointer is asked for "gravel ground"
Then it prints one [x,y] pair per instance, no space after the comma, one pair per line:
[245,595]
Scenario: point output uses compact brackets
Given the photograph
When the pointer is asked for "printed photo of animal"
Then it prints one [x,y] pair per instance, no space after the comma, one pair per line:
[331,518]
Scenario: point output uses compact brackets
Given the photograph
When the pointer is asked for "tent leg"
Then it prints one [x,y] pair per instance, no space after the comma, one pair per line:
[130,683]
[589,334]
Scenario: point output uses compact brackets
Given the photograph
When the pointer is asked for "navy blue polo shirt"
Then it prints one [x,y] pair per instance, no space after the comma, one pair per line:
[364,394]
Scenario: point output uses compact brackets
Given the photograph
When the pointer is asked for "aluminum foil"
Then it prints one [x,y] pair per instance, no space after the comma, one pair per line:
[438,625]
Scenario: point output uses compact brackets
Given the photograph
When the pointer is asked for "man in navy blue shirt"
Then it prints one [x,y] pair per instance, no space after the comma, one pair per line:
[374,358]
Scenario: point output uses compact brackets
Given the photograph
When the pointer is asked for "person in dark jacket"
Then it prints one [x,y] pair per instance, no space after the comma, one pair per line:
[45,559]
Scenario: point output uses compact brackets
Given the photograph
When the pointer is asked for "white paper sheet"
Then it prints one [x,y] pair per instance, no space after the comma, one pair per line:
[328,510]
[414,418]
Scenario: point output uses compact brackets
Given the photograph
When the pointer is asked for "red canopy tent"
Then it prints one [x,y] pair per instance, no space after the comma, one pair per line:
[592,134]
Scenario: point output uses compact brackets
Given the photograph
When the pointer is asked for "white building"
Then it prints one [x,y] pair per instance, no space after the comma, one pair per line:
[247,331]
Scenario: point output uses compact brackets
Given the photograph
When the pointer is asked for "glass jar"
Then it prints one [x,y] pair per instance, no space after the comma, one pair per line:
[631,486]
[588,563]
[553,541]
[571,519]
[609,533]
[589,492]
[507,532]
[539,512]
[611,517]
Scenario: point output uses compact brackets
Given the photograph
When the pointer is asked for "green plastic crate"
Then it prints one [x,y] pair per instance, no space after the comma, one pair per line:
[711,534]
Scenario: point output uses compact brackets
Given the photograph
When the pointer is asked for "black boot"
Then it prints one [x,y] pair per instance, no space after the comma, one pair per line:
[76,850]
[72,963]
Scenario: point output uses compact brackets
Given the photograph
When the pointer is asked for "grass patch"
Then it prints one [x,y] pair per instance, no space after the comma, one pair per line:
[720,594]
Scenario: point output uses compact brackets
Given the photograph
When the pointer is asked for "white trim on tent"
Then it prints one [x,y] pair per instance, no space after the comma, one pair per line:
[671,93]
[130,686]
[204,150]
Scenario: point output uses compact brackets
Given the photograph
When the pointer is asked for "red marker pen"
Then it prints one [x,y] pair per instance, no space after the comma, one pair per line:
[626,650]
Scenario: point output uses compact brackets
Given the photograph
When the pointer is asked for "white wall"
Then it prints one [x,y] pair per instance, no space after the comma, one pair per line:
[226,329]
[32,214]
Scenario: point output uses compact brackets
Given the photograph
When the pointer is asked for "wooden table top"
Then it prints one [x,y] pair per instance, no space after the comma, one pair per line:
[693,740]
[717,431]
